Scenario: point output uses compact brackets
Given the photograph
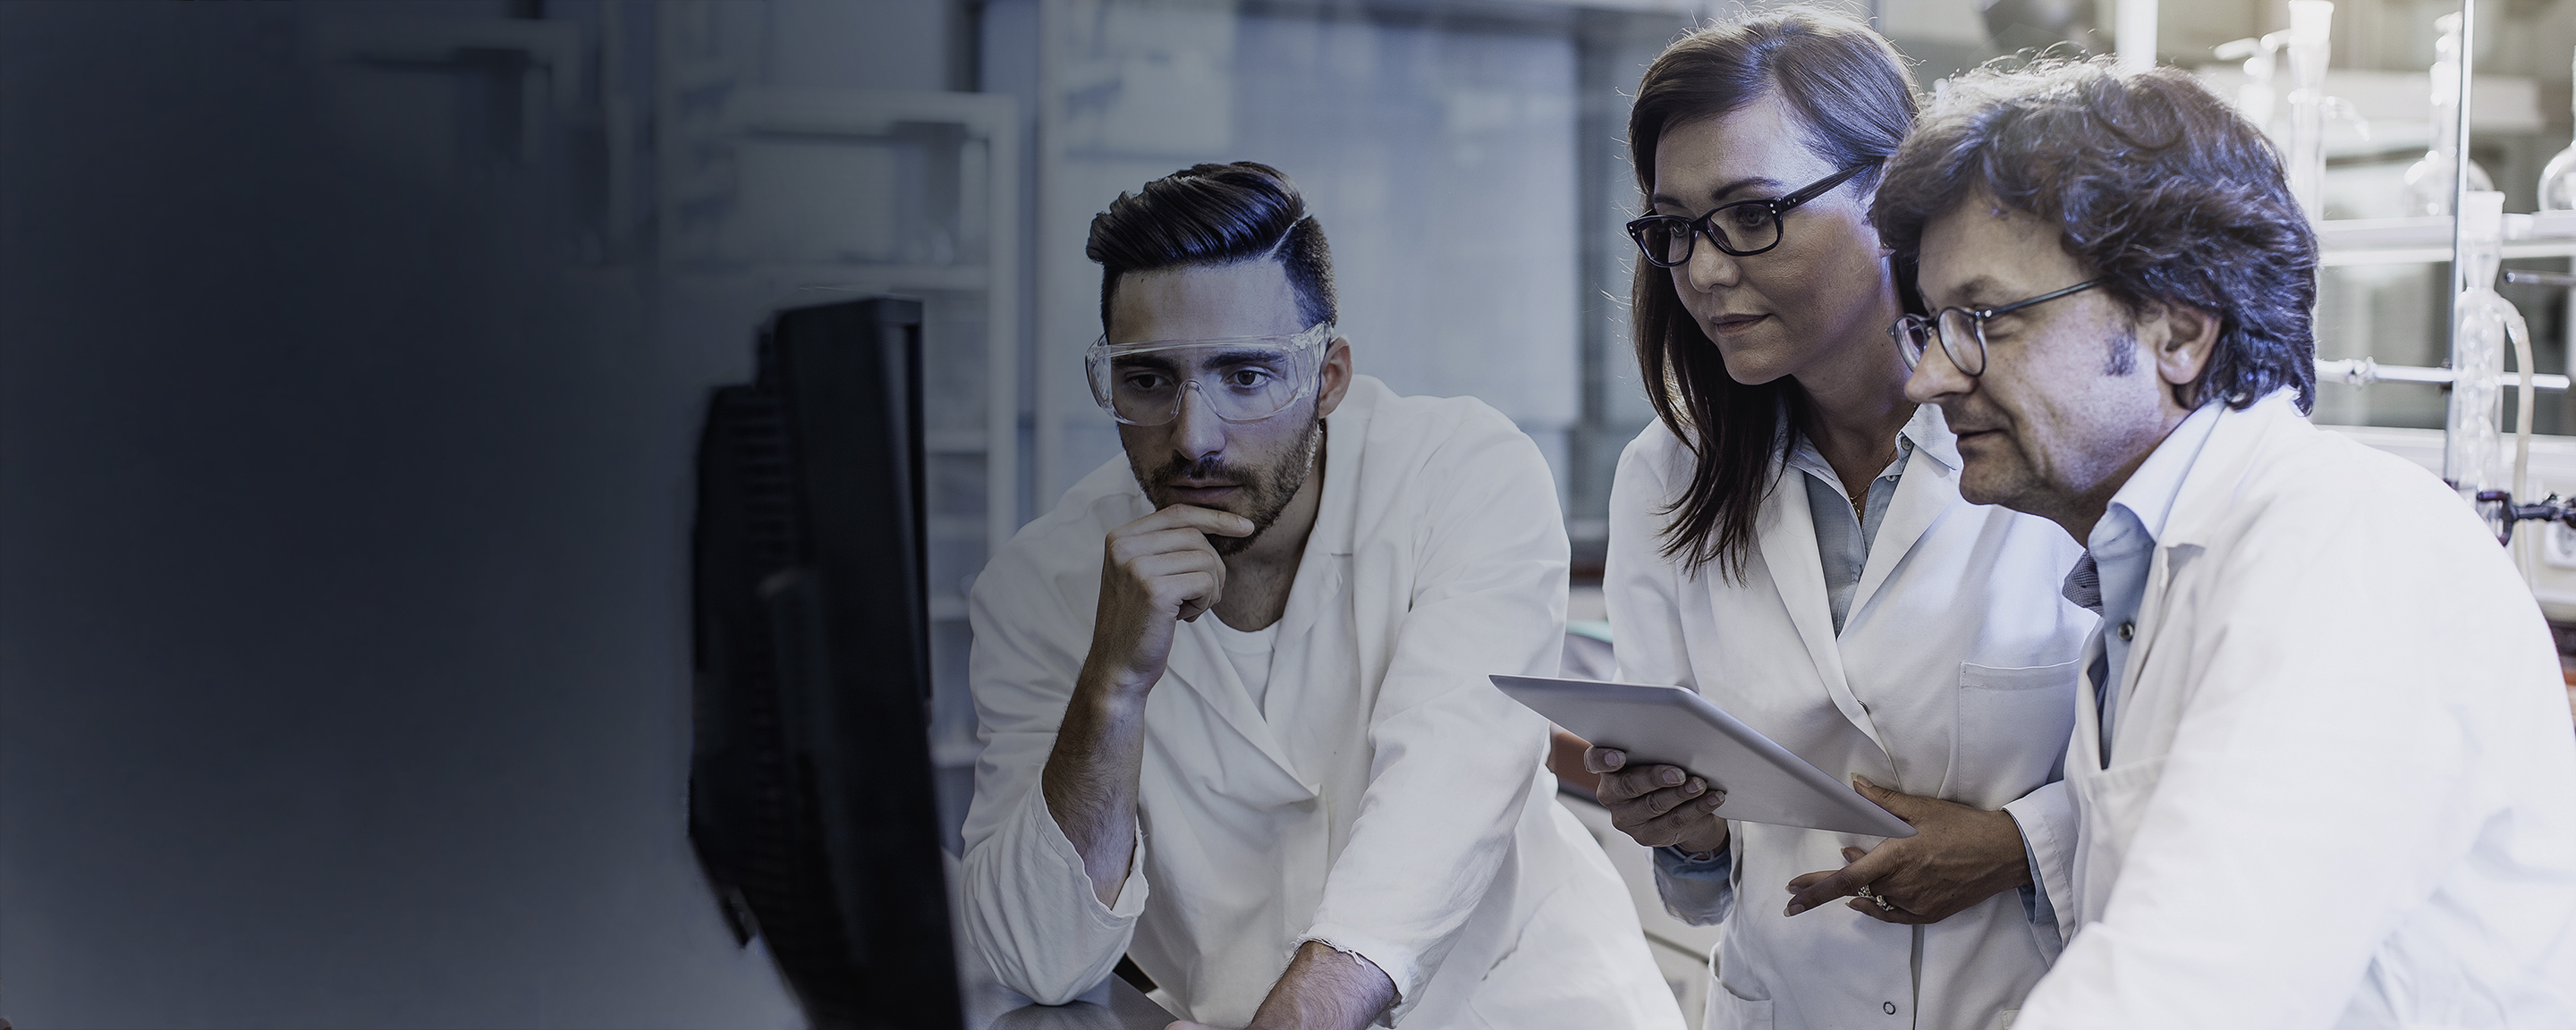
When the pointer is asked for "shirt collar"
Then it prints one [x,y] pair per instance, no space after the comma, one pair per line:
[1804,456]
[2147,499]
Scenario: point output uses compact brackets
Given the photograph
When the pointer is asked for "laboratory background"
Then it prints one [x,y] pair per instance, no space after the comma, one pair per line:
[352,356]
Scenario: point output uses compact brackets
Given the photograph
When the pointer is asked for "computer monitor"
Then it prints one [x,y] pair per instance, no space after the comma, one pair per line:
[810,797]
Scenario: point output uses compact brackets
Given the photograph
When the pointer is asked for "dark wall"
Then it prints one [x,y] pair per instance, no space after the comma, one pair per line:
[343,506]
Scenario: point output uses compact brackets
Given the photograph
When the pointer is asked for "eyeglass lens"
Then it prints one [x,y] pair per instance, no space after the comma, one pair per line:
[1963,338]
[1913,336]
[1240,388]
[1740,229]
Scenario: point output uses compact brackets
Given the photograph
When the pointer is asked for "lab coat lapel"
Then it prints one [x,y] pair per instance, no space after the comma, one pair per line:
[2085,751]
[1200,664]
[2197,506]
[1325,567]
[1318,587]
[1929,486]
[1788,536]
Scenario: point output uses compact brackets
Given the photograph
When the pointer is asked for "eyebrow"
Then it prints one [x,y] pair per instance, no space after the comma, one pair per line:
[1975,293]
[1721,193]
[1220,359]
[1243,356]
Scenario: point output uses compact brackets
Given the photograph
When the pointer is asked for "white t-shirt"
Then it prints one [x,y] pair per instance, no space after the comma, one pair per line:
[1250,655]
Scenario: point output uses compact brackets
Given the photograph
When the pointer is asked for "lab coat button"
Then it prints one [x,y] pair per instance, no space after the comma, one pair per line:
[1890,1007]
[2128,629]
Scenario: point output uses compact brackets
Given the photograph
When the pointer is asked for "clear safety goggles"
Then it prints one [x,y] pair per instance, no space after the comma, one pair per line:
[1238,378]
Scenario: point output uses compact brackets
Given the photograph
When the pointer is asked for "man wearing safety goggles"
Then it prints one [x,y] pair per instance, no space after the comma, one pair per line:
[1233,688]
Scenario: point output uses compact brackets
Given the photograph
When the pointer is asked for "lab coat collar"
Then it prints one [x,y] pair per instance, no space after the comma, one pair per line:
[2197,505]
[1324,567]
[2234,438]
[2150,491]
[1927,489]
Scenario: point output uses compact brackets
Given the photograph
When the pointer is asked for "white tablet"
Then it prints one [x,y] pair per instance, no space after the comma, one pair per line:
[1764,782]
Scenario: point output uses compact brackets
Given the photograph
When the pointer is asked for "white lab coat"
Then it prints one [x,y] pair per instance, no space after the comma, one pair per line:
[1390,802]
[2342,789]
[1953,677]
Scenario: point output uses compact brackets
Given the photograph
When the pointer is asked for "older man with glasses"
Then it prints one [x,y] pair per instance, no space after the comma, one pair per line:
[1233,688]
[2322,767]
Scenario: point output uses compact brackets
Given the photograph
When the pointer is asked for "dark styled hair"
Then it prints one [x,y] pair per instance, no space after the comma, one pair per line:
[1847,88]
[1212,214]
[2157,186]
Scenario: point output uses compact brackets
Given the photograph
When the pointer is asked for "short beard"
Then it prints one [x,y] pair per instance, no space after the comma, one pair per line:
[1267,491]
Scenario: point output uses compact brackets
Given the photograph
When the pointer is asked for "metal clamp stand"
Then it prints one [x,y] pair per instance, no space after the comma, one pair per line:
[2502,512]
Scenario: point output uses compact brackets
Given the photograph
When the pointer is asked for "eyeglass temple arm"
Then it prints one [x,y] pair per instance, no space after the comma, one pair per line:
[2041,299]
[1821,188]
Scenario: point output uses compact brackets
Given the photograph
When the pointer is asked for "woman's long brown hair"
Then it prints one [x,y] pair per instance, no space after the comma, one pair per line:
[1848,87]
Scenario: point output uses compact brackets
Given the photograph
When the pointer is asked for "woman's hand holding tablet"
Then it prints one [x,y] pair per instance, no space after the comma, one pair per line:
[1659,805]
[1657,728]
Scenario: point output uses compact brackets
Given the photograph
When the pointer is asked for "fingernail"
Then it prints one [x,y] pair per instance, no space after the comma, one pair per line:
[1713,801]
[1694,786]
[1669,776]
[1794,909]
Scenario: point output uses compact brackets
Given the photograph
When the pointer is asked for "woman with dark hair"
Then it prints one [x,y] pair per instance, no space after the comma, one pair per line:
[1788,539]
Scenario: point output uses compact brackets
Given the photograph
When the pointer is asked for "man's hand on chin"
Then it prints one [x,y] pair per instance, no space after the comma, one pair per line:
[1323,989]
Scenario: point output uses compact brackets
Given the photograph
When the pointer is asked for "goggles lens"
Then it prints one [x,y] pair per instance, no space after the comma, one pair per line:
[1239,379]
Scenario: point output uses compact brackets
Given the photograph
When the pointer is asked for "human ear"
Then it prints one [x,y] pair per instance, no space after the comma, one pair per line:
[1337,376]
[2180,339]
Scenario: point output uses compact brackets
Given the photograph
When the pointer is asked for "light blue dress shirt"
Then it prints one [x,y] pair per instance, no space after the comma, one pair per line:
[2111,579]
[1842,544]
[2122,548]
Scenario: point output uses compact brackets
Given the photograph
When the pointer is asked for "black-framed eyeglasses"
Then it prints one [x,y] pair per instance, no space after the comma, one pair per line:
[1962,331]
[1742,228]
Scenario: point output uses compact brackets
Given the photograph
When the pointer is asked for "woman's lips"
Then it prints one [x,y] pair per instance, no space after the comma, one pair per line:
[1730,325]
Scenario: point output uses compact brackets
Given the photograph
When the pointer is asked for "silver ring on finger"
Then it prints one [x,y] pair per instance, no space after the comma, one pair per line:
[1880,899]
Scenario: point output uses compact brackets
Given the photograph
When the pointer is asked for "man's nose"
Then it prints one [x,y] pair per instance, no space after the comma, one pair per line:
[1936,378]
[1196,431]
[1710,267]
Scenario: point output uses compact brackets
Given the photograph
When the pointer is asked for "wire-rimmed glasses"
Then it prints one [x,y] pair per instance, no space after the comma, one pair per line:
[1962,331]
[1742,228]
[1238,378]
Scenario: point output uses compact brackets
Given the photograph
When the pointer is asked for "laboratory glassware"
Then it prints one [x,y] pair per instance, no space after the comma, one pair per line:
[2309,46]
[2473,458]
[2558,179]
[2429,189]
